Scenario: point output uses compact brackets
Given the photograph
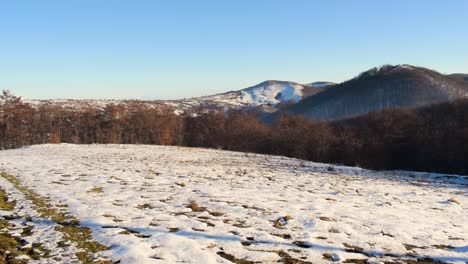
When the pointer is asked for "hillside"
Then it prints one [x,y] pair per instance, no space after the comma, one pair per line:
[156,204]
[266,93]
[378,88]
[461,76]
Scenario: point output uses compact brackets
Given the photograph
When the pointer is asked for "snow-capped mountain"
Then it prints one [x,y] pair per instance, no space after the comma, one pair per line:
[266,93]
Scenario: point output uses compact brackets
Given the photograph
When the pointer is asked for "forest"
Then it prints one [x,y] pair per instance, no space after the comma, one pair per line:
[432,138]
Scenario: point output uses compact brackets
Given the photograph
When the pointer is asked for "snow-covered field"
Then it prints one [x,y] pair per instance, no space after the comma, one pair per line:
[156,204]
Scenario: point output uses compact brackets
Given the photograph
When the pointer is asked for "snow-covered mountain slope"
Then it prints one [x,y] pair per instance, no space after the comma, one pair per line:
[269,93]
[158,204]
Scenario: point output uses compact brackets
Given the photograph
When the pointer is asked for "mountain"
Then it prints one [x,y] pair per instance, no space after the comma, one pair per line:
[378,88]
[268,94]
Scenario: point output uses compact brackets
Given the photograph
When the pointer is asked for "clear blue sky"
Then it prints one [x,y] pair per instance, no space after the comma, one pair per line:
[160,49]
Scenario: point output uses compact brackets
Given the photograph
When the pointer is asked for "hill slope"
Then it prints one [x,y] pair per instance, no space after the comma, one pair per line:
[461,76]
[378,88]
[157,204]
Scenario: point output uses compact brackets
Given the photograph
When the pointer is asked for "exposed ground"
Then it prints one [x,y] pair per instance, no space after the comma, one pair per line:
[153,204]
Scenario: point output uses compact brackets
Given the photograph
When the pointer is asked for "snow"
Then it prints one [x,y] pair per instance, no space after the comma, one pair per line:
[269,92]
[272,93]
[250,206]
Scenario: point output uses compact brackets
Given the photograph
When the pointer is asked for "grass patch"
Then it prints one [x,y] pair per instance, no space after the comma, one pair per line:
[328,256]
[353,249]
[195,207]
[287,259]
[9,249]
[81,236]
[96,190]
[327,219]
[423,261]
[283,236]
[411,247]
[216,213]
[282,221]
[233,259]
[12,247]
[4,203]
[444,247]
[4,224]
[67,224]
[356,261]
[181,184]
[27,231]
[144,206]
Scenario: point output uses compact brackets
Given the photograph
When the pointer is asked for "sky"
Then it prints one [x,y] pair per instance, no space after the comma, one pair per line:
[171,49]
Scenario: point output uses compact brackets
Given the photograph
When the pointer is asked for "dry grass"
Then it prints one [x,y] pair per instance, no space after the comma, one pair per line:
[326,218]
[67,224]
[283,236]
[282,221]
[352,249]
[287,259]
[233,259]
[216,213]
[144,206]
[195,207]
[328,256]
[181,184]
[5,204]
[96,190]
[12,246]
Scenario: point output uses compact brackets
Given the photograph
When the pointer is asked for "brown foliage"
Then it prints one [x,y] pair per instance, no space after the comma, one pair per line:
[432,138]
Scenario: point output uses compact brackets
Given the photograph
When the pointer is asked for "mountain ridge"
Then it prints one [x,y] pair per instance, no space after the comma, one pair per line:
[270,92]
[374,89]
[381,87]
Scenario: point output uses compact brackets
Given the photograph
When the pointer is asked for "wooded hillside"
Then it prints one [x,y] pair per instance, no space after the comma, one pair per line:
[432,138]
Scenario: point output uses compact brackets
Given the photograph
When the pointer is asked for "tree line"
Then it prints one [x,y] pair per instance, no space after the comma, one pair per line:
[432,138]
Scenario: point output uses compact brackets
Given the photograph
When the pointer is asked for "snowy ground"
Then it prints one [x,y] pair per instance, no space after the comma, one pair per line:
[153,204]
